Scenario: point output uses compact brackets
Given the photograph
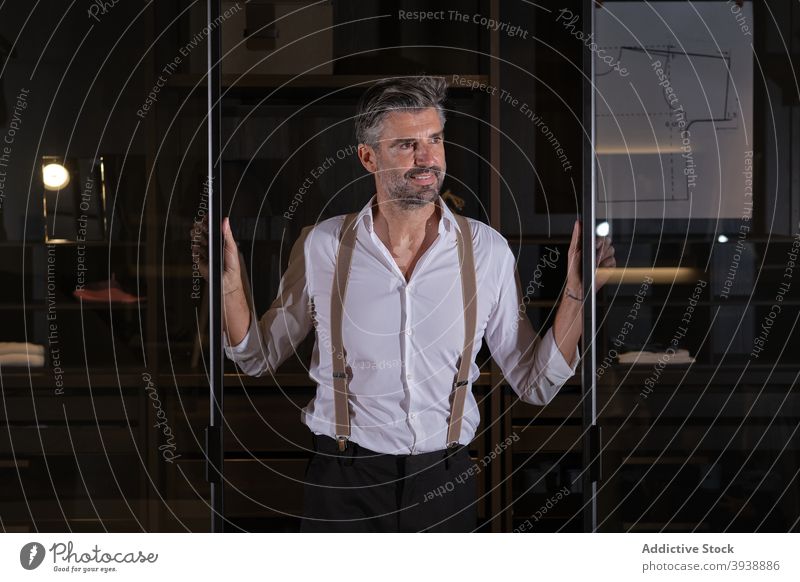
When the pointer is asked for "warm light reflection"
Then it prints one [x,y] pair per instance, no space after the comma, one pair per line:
[660,275]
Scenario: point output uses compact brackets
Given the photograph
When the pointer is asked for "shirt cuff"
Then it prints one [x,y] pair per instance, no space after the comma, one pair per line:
[559,370]
[243,347]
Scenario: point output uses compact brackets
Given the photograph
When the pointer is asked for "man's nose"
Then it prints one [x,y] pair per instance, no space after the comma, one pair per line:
[423,155]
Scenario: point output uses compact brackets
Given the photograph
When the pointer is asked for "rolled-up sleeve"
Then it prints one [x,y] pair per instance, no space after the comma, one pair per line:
[532,364]
[276,335]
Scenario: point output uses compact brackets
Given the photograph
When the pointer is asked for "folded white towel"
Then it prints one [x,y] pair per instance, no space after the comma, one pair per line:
[32,360]
[677,357]
[21,348]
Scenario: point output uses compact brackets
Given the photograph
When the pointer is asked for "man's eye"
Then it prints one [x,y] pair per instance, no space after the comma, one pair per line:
[436,140]
[405,145]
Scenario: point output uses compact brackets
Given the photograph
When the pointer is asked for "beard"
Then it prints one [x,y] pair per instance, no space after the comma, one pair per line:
[408,195]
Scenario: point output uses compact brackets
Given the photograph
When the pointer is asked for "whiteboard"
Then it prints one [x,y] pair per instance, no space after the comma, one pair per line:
[674,109]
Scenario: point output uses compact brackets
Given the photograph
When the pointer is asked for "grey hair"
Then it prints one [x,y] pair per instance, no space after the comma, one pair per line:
[388,95]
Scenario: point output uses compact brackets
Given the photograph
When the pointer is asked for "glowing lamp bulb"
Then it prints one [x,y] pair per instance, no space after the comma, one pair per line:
[55,176]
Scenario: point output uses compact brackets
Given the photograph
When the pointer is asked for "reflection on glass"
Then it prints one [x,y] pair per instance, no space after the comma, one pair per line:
[74,199]
[691,389]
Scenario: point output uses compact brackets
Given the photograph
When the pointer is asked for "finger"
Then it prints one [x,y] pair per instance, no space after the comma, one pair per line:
[608,263]
[574,244]
[231,250]
[226,230]
[602,255]
[609,247]
[574,252]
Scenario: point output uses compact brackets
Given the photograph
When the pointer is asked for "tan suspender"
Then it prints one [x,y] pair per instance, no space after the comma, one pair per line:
[344,258]
[469,293]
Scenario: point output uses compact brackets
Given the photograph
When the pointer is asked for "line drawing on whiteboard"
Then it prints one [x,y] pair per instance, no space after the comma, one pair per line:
[685,71]
[671,133]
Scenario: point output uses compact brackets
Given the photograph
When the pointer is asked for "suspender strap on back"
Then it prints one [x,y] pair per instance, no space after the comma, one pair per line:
[344,258]
[469,296]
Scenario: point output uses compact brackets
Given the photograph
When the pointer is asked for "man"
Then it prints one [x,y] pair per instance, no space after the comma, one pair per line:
[391,293]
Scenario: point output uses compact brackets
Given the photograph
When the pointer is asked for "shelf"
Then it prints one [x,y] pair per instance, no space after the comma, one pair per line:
[129,379]
[655,239]
[280,380]
[73,439]
[682,303]
[659,275]
[726,374]
[66,244]
[534,240]
[70,510]
[87,306]
[256,81]
[632,151]
[665,460]
[709,239]
[74,380]
[707,437]
[656,526]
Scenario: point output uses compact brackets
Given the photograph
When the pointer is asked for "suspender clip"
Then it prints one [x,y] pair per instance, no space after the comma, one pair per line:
[457,383]
[342,441]
[452,448]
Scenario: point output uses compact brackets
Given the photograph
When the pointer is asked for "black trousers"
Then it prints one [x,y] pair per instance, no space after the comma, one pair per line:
[359,490]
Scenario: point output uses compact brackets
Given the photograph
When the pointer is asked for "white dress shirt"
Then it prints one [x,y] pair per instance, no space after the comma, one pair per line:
[402,340]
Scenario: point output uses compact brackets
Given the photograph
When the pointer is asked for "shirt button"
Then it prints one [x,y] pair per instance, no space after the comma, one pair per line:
[409,377]
[412,416]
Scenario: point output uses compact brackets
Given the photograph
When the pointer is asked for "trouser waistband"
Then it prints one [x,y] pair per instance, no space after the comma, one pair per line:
[328,446]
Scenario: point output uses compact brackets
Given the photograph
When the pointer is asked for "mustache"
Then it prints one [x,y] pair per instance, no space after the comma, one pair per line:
[437,171]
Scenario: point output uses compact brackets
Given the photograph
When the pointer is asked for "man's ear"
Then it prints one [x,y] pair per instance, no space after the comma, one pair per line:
[367,156]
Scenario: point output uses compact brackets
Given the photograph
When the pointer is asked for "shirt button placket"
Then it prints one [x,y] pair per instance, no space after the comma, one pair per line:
[409,375]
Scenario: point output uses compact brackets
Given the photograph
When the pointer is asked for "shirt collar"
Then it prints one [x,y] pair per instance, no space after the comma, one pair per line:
[447,223]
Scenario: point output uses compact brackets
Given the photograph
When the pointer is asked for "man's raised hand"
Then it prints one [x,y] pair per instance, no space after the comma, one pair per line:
[604,252]
[231,274]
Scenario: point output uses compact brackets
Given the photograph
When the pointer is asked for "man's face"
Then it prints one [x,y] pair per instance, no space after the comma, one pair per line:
[409,160]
